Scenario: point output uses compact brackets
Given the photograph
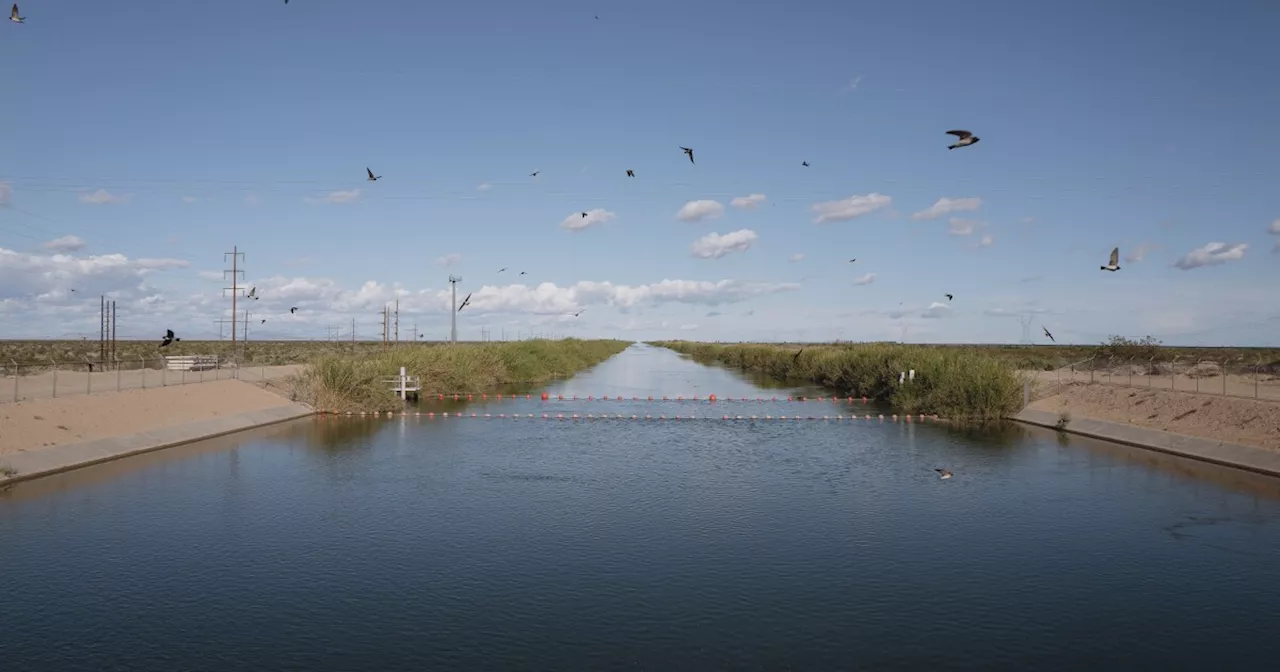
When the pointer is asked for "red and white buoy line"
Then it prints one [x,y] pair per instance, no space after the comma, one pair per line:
[545,396]
[633,417]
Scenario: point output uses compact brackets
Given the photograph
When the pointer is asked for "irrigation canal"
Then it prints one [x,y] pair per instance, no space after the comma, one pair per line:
[412,543]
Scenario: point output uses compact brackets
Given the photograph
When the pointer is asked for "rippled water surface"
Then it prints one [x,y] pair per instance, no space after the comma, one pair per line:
[418,543]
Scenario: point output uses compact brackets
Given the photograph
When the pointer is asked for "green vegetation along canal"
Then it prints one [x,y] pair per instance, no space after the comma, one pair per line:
[412,543]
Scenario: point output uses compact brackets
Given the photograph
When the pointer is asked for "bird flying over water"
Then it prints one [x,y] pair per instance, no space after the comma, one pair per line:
[949,297]
[1113,264]
[13,15]
[965,139]
[631,173]
[1046,333]
[943,474]
[372,178]
[168,338]
[688,151]
[465,302]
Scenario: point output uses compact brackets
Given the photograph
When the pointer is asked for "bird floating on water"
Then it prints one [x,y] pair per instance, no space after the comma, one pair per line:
[168,338]
[1113,264]
[688,151]
[965,139]
[13,15]
[943,474]
[1046,333]
[372,177]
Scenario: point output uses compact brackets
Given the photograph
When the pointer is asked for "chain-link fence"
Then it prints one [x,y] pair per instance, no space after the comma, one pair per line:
[1232,377]
[23,381]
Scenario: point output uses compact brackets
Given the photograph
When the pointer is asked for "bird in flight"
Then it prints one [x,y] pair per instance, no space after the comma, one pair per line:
[1113,264]
[852,260]
[584,215]
[1046,333]
[293,310]
[965,139]
[524,272]
[797,357]
[534,173]
[805,164]
[689,152]
[949,297]
[263,321]
[13,15]
[943,474]
[579,312]
[465,302]
[631,173]
[253,293]
[372,177]
[502,269]
[168,338]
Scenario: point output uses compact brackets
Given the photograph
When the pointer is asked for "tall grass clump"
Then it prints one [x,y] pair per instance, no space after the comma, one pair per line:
[356,382]
[953,383]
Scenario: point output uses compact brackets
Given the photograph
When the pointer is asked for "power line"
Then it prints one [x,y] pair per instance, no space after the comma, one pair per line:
[235,272]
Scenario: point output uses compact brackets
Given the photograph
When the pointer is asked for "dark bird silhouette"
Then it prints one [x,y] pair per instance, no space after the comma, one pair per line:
[949,297]
[465,303]
[372,177]
[534,173]
[293,310]
[502,269]
[965,139]
[797,357]
[263,322]
[13,15]
[631,173]
[579,312]
[689,151]
[1046,333]
[943,474]
[1113,264]
[73,290]
[168,338]
[805,164]
[584,215]
[852,260]
[524,272]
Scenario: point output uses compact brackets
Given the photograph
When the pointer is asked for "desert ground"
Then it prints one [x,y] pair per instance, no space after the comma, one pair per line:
[39,423]
[60,384]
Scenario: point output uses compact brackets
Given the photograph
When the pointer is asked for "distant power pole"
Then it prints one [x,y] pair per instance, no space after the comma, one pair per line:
[453,332]
[1026,329]
[112,349]
[397,321]
[236,255]
[353,332]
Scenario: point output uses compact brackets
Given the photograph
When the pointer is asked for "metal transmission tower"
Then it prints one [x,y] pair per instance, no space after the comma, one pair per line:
[1026,328]
[453,332]
[235,289]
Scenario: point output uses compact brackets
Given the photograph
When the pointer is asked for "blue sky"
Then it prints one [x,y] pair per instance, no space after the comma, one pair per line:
[209,125]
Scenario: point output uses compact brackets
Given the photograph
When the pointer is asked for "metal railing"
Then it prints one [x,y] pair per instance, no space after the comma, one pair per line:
[1231,376]
[23,381]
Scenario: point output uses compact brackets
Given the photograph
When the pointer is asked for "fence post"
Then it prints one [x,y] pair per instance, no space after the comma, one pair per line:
[88,377]
[117,363]
[1224,376]
[1173,374]
[142,366]
[55,376]
[1257,367]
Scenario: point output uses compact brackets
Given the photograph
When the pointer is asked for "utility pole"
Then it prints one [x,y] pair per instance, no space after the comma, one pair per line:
[453,332]
[353,332]
[113,330]
[384,326]
[236,255]
[1026,329]
[397,321]
[102,328]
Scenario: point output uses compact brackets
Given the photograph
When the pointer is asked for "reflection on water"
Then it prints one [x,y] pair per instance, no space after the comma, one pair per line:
[412,543]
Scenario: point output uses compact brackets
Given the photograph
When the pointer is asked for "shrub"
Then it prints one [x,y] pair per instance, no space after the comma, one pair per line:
[1124,349]
[955,383]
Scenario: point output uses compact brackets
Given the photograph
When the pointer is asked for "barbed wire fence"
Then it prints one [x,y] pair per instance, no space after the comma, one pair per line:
[1239,376]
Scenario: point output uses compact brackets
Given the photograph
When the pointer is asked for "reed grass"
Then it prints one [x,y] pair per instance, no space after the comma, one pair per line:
[952,383]
[356,382]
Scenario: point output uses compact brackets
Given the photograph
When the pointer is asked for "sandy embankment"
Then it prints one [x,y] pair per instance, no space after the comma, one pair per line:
[42,423]
[1247,422]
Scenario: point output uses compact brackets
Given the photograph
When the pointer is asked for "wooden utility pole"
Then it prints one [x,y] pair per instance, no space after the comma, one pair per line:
[235,289]
[397,321]
[112,349]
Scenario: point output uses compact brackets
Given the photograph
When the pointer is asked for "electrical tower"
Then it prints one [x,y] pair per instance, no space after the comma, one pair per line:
[235,271]
[453,331]
[1026,328]
[397,321]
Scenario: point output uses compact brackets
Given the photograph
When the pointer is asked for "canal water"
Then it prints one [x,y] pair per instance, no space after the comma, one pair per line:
[427,543]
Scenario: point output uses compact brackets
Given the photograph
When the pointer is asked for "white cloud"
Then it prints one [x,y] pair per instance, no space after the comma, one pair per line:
[450,259]
[1274,228]
[716,245]
[946,206]
[1211,255]
[1139,253]
[336,197]
[43,278]
[694,211]
[748,202]
[986,241]
[102,197]
[484,186]
[211,275]
[866,279]
[189,199]
[65,244]
[959,226]
[936,310]
[1004,312]
[576,221]
[798,256]
[6,194]
[849,208]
